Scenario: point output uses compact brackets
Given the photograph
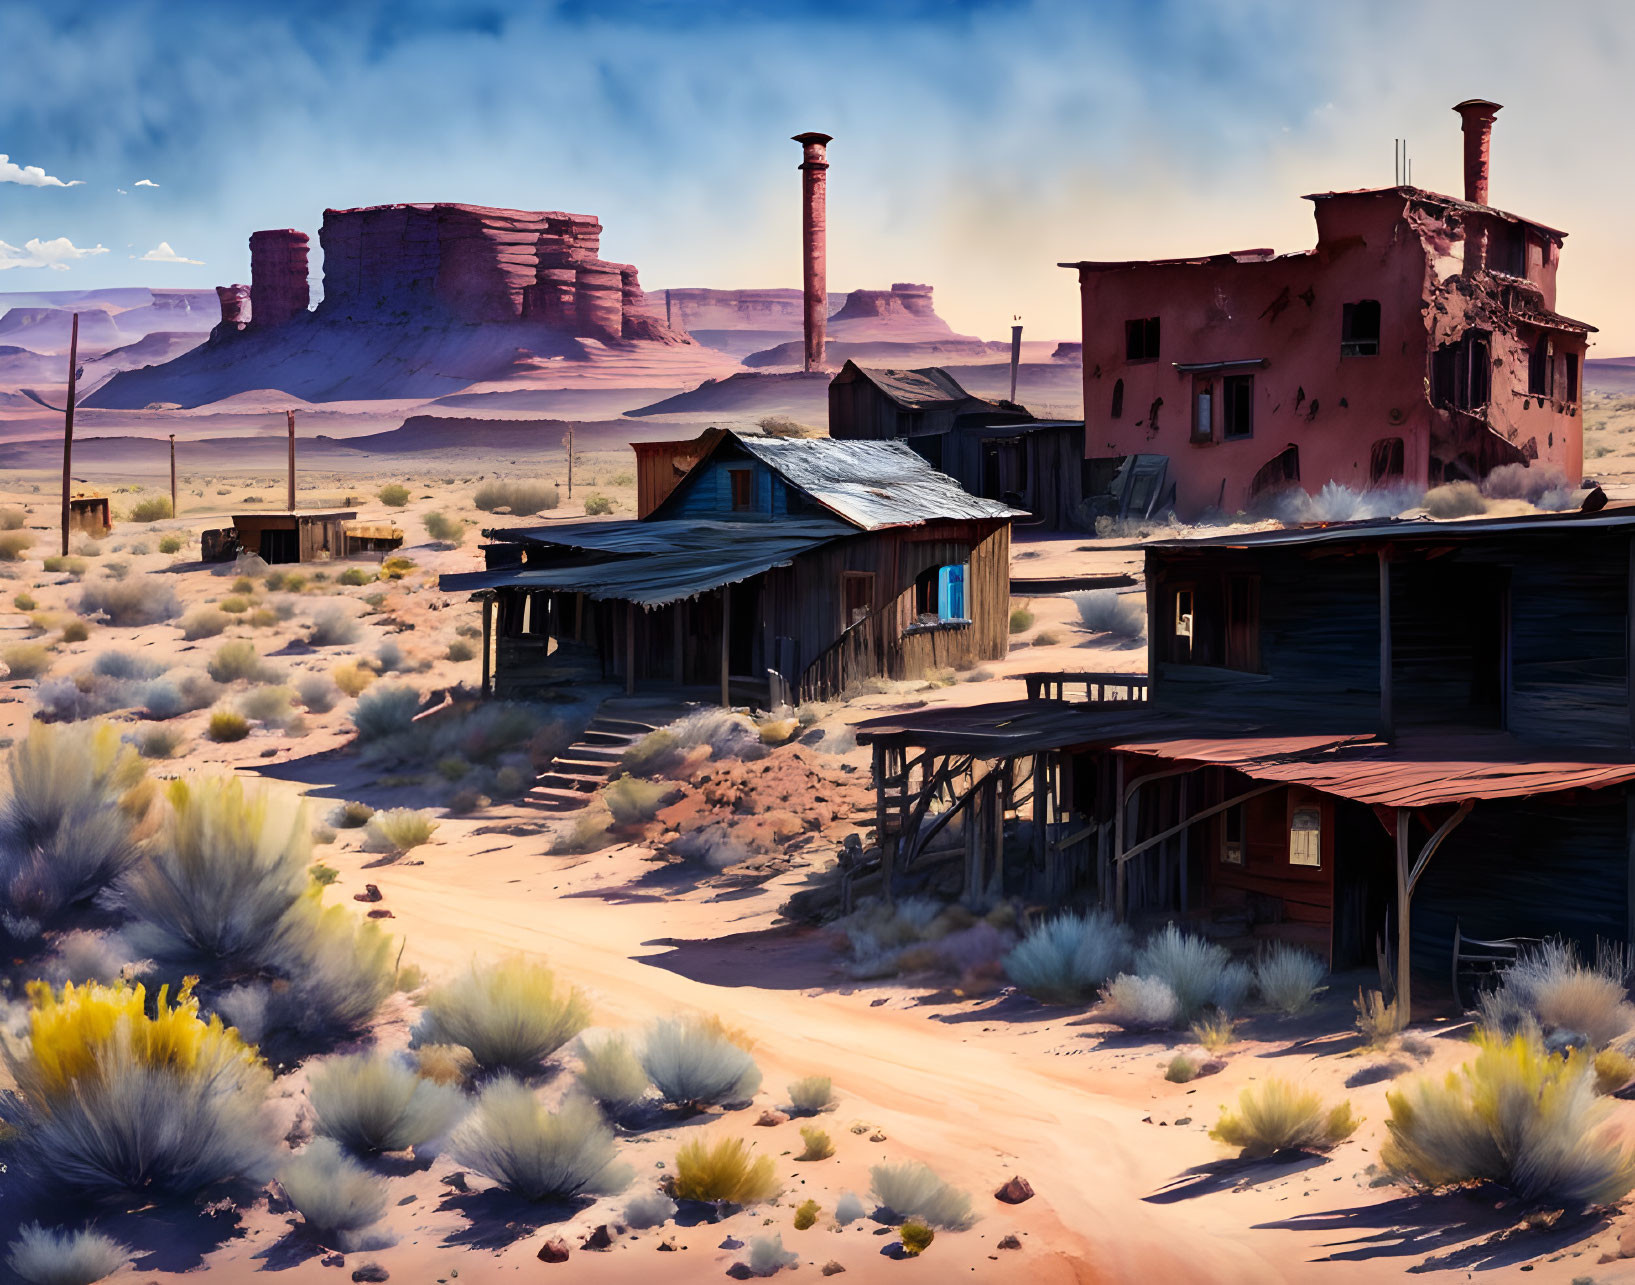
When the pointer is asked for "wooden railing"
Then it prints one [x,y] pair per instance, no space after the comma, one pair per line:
[858,653]
[1098,688]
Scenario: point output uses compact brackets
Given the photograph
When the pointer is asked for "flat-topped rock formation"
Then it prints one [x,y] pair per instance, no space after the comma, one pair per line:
[418,300]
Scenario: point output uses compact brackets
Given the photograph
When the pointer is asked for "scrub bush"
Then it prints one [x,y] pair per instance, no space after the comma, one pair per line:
[1455,500]
[58,564]
[25,660]
[394,495]
[43,1257]
[633,801]
[1139,1003]
[537,1154]
[14,543]
[519,498]
[849,1208]
[693,1062]
[1276,1116]
[234,605]
[806,1214]
[158,742]
[652,1210]
[225,725]
[335,1196]
[460,651]
[398,830]
[112,1100]
[238,659]
[127,665]
[354,576]
[12,519]
[1021,620]
[1066,959]
[724,1172]
[597,505]
[267,705]
[172,696]
[387,710]
[170,544]
[912,1190]
[1181,1069]
[812,1094]
[1190,966]
[155,508]
[768,1257]
[333,627]
[1215,1033]
[1517,1115]
[444,529]
[370,1103]
[316,692]
[1288,978]
[818,1144]
[352,678]
[73,818]
[512,1014]
[351,815]
[610,1075]
[138,600]
[1378,1021]
[204,622]
[1106,611]
[1551,988]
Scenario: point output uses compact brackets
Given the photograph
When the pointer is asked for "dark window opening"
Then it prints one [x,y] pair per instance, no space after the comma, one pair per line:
[1232,836]
[1141,339]
[743,489]
[1541,368]
[1215,621]
[1360,328]
[1203,410]
[1118,399]
[1385,464]
[1509,252]
[1460,373]
[939,594]
[1243,623]
[1238,405]
[1283,469]
[858,596]
[1572,377]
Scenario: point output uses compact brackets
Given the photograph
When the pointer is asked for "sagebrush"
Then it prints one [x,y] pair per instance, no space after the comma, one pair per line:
[1278,1116]
[693,1063]
[511,1014]
[913,1190]
[540,1155]
[724,1171]
[370,1102]
[334,1194]
[1067,958]
[42,1256]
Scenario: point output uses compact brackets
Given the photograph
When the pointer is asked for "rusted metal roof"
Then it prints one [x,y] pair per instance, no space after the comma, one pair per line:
[872,485]
[1421,528]
[1409,773]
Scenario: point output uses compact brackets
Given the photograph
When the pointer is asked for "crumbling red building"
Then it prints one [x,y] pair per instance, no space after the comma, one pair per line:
[1417,343]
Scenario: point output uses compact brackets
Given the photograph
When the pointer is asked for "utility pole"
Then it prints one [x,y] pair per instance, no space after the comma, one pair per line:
[68,430]
[174,511]
[570,459]
[1016,354]
[289,415]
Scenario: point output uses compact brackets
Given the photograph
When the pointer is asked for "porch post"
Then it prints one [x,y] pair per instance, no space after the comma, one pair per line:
[1182,838]
[629,649]
[1629,643]
[1388,727]
[1119,804]
[681,672]
[1404,897]
[488,641]
[726,642]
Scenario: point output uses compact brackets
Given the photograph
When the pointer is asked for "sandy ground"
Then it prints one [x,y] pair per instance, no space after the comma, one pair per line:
[982,1084]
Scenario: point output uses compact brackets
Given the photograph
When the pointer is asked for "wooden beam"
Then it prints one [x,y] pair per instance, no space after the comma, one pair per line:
[488,643]
[174,511]
[1388,714]
[1404,819]
[1186,835]
[68,432]
[726,643]
[1629,644]
[289,416]
[680,664]
[1118,830]
[630,649]
[1126,853]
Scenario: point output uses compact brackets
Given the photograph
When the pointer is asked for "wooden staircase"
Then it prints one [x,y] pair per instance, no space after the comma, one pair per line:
[588,764]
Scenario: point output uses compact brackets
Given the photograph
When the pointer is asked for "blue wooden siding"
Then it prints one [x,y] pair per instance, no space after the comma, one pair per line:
[706,492]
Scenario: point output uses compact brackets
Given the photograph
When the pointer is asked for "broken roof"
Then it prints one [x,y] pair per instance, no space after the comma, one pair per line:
[1439,199]
[915,389]
[1420,528]
[650,563]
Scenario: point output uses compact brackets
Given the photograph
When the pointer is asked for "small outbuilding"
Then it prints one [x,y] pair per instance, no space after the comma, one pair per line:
[294,537]
[90,514]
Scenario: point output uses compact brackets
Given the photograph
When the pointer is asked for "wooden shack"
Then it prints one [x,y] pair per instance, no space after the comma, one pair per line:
[873,404]
[660,466]
[780,569]
[1400,732]
[90,514]
[293,537]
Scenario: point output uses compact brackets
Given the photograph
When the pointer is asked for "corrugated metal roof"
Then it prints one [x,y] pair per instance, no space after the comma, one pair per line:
[653,563]
[1422,528]
[872,485]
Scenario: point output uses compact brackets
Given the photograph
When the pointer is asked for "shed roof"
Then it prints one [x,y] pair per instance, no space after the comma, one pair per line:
[872,485]
[915,389]
[651,563]
[1399,529]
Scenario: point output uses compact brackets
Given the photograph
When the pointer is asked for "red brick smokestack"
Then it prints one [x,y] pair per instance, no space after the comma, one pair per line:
[1478,114]
[814,225]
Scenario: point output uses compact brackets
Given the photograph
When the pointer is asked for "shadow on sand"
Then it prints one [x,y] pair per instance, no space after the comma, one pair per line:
[1233,1175]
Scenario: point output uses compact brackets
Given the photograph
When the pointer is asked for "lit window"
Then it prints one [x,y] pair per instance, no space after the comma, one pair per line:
[1306,837]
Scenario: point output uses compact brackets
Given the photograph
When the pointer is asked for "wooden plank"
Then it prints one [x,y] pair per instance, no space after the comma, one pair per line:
[630,648]
[726,643]
[1404,895]
[1387,724]
[488,644]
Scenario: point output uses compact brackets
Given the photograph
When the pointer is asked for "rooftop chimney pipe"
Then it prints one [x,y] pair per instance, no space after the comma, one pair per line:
[1477,114]
[814,224]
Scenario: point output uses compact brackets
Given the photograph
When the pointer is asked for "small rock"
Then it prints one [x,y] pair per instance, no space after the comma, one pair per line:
[875,1003]
[381,914]
[668,1245]
[457,1180]
[877,1136]
[555,1250]
[1186,1119]
[333,1260]
[601,1238]
[369,893]
[371,1272]
[409,1199]
[1015,1191]
[1009,1242]
[832,1268]
[730,1243]
[770,1118]
[1212,1067]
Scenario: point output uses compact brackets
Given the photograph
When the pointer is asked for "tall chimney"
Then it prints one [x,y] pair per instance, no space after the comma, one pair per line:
[1477,114]
[814,224]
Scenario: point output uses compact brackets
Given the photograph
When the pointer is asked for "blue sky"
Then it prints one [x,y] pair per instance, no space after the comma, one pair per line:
[976,144]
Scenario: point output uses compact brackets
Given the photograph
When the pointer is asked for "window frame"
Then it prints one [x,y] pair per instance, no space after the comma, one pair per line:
[1232,430]
[1353,344]
[1143,339]
[1202,428]
[741,475]
[938,584]
[1306,852]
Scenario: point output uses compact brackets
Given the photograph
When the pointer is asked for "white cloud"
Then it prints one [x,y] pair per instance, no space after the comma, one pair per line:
[30,175]
[144,182]
[56,254]
[162,253]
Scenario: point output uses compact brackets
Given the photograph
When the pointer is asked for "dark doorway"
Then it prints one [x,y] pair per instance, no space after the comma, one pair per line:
[280,546]
[745,616]
[1364,885]
[1448,639]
